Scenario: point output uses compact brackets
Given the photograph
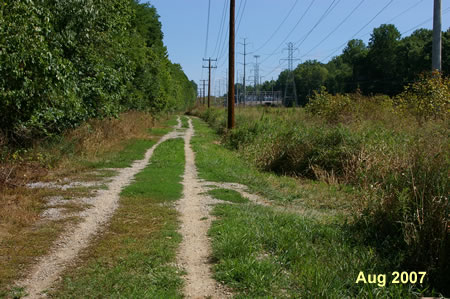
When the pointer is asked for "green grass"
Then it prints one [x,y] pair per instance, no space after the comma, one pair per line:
[171,121]
[262,252]
[395,166]
[267,254]
[228,195]
[159,131]
[156,181]
[133,258]
[215,163]
[134,150]
[218,164]
[184,122]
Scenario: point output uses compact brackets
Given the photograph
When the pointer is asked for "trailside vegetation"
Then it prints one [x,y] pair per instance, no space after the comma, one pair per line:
[394,151]
[64,62]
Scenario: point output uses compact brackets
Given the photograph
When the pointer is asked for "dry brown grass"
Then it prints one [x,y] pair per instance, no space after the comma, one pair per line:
[23,236]
[99,136]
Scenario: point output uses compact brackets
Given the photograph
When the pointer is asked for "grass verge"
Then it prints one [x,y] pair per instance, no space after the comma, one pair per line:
[218,164]
[265,252]
[184,122]
[79,155]
[398,165]
[133,258]
[228,195]
[134,150]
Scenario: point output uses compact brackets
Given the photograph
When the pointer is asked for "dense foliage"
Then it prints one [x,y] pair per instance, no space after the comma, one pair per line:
[63,62]
[384,66]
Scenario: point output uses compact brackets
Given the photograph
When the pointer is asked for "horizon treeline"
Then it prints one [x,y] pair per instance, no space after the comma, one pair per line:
[383,66]
[64,62]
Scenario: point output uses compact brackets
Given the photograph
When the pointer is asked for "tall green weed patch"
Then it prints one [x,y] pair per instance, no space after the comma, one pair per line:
[400,166]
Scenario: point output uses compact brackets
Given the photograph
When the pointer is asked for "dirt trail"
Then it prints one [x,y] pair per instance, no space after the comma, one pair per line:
[66,248]
[195,250]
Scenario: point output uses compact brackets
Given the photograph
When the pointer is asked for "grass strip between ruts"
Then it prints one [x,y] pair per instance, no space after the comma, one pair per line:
[132,259]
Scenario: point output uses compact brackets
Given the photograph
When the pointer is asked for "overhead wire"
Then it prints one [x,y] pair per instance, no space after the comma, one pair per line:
[207,28]
[240,18]
[445,11]
[222,24]
[239,15]
[362,28]
[397,16]
[290,33]
[405,11]
[336,28]
[279,26]
[324,15]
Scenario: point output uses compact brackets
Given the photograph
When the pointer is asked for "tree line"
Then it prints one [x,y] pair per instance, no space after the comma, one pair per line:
[63,62]
[384,66]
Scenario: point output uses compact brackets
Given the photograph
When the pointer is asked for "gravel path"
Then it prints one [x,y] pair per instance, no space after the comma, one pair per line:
[67,247]
[195,250]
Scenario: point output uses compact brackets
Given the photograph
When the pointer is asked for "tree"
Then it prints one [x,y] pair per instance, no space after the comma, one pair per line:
[309,76]
[381,67]
[62,62]
[340,75]
[355,55]
[413,56]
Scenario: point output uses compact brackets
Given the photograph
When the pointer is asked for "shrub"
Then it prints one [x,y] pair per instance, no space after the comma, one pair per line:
[331,108]
[428,98]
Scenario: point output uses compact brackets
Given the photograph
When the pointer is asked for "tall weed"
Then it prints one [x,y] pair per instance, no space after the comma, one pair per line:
[401,165]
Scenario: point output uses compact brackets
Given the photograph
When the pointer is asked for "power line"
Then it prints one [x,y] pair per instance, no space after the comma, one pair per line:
[275,68]
[324,15]
[383,9]
[405,11]
[292,30]
[362,28]
[222,24]
[207,28]
[445,11]
[239,15]
[337,27]
[400,14]
[242,14]
[279,27]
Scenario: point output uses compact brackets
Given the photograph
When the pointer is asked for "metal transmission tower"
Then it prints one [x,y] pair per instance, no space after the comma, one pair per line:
[437,36]
[256,75]
[209,67]
[256,71]
[245,64]
[290,99]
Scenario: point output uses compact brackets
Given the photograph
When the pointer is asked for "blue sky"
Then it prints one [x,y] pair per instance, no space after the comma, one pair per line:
[184,24]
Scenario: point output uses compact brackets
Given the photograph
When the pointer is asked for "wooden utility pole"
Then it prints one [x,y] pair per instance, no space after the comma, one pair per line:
[204,89]
[437,37]
[245,64]
[231,66]
[209,67]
